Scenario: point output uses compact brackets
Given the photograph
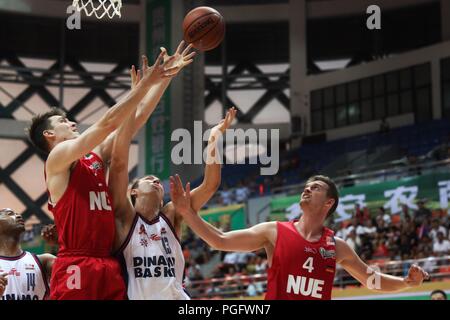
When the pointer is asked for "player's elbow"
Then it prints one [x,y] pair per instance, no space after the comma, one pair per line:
[110,121]
[108,124]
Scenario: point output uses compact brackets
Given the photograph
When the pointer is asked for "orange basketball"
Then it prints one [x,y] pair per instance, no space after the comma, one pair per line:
[204,27]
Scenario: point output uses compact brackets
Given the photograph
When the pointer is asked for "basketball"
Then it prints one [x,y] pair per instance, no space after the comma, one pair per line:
[204,27]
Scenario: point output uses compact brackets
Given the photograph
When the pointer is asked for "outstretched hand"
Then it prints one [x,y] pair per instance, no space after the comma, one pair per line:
[416,275]
[224,124]
[180,59]
[181,198]
[49,234]
[161,69]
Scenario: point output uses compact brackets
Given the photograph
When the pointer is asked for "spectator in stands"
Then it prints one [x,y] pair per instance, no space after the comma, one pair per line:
[442,246]
[436,226]
[361,214]
[429,264]
[193,268]
[423,229]
[425,244]
[241,193]
[242,260]
[393,233]
[422,212]
[218,272]
[232,279]
[381,225]
[254,288]
[366,247]
[405,246]
[251,265]
[380,249]
[438,295]
[370,229]
[393,248]
[384,215]
[261,265]
[351,239]
[213,290]
[197,276]
[406,263]
[405,213]
[359,228]
[226,195]
[231,258]
[339,230]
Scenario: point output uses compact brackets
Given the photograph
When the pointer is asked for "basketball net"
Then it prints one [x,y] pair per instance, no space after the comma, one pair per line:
[99,8]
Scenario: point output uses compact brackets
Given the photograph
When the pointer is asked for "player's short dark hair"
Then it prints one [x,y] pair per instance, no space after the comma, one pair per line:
[332,191]
[135,185]
[39,124]
[439,291]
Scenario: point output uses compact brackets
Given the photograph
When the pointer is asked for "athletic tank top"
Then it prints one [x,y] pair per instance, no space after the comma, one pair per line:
[152,260]
[301,270]
[84,216]
[26,277]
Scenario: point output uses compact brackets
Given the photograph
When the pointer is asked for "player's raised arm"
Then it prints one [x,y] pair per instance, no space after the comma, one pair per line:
[254,238]
[373,279]
[174,64]
[118,173]
[212,175]
[66,152]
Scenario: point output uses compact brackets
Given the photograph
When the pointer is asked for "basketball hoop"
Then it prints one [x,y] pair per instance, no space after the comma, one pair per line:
[99,8]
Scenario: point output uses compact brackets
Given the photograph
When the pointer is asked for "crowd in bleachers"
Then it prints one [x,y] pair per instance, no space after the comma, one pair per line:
[409,235]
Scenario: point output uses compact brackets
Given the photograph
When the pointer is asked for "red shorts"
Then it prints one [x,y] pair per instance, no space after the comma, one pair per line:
[87,278]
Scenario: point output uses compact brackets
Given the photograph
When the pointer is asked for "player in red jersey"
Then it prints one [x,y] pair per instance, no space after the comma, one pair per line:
[302,254]
[78,193]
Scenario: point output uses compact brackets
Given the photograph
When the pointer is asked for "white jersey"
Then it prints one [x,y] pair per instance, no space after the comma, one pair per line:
[153,260]
[26,277]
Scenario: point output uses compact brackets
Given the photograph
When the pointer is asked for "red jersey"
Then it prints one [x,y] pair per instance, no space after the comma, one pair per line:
[301,270]
[84,217]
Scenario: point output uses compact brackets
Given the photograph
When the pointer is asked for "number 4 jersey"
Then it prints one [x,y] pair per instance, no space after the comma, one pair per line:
[26,278]
[301,270]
